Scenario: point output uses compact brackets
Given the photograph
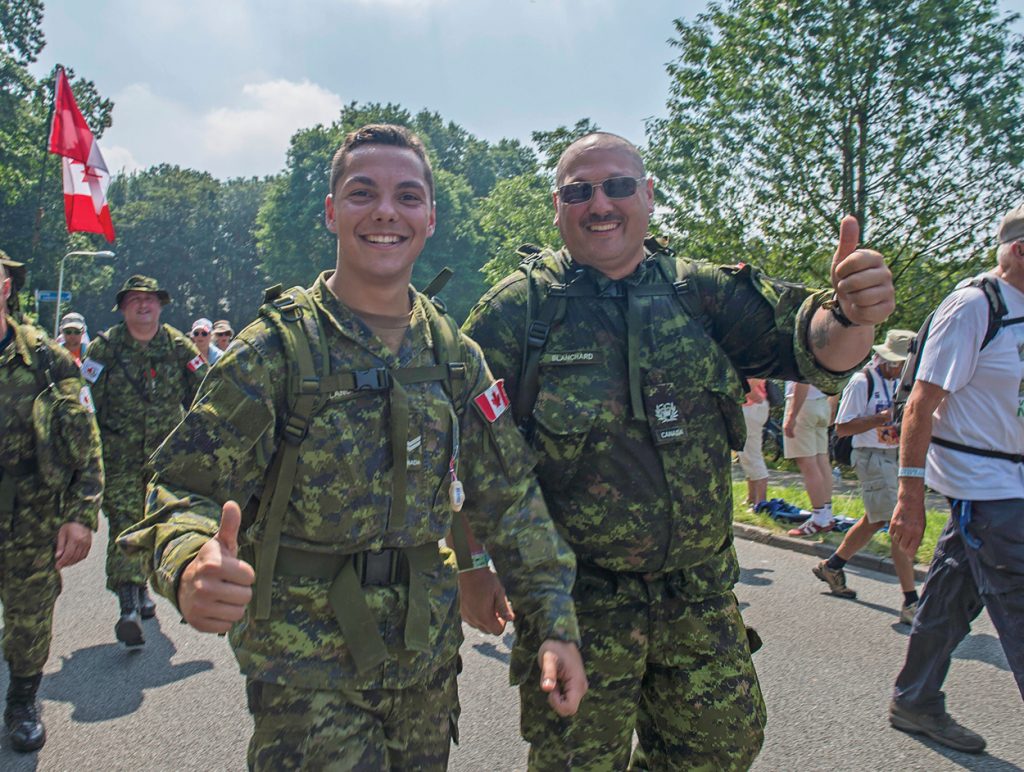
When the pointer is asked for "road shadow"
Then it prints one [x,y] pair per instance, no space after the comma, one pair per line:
[500,653]
[755,576]
[108,681]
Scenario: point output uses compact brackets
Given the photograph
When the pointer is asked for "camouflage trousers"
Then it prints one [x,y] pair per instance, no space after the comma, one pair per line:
[29,586]
[124,498]
[676,671]
[374,729]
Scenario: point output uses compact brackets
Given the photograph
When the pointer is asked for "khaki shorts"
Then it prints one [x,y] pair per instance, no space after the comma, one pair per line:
[876,469]
[751,457]
[811,429]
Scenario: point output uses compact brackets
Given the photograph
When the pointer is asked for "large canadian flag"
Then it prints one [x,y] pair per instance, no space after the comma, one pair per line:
[85,173]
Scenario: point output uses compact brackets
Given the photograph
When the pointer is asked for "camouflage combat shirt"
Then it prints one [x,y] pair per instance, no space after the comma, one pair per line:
[341,500]
[67,484]
[141,391]
[652,494]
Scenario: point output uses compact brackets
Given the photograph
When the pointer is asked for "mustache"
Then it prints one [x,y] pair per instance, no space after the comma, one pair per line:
[597,219]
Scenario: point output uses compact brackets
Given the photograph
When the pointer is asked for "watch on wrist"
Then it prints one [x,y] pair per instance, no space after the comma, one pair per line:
[832,304]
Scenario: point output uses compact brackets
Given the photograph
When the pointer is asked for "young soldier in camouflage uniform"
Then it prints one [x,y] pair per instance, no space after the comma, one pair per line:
[350,643]
[51,483]
[637,404]
[144,376]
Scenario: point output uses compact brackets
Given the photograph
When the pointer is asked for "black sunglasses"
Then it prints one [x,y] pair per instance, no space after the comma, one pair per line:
[200,334]
[613,187]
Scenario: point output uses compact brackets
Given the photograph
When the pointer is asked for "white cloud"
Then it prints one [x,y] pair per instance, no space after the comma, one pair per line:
[250,138]
[257,133]
[119,159]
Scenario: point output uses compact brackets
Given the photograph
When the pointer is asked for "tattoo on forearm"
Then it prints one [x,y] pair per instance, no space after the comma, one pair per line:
[820,334]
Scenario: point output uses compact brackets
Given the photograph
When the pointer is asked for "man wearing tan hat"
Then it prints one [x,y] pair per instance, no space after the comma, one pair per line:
[963,432]
[865,413]
[222,334]
[143,376]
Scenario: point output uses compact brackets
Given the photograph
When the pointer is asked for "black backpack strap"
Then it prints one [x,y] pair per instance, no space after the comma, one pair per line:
[538,328]
[996,306]
[1016,458]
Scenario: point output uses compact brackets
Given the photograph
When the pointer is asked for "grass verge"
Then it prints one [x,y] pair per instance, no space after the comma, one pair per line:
[847,505]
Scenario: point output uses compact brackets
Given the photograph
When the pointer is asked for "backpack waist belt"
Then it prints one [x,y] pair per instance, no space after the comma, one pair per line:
[349,574]
[1016,458]
[9,483]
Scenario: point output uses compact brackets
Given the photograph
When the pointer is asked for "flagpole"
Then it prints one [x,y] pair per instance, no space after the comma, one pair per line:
[37,226]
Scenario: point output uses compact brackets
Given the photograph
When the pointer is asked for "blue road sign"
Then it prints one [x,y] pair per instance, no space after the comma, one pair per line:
[50,296]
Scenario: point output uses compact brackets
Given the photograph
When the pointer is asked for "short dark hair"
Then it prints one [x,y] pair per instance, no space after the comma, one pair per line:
[606,137]
[381,134]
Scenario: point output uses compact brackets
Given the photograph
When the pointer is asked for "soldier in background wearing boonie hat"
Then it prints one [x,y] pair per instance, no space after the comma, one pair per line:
[143,376]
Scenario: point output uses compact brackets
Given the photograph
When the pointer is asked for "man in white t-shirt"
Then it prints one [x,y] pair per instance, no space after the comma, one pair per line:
[865,412]
[970,396]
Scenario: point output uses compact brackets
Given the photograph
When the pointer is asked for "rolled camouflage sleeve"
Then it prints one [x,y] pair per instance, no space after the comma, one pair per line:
[762,324]
[507,512]
[219,452]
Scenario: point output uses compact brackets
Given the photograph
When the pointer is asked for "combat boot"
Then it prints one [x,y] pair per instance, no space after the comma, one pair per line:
[129,627]
[147,608]
[25,732]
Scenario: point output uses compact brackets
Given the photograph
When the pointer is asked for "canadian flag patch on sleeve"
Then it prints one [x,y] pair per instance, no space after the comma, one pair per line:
[91,370]
[494,401]
[195,363]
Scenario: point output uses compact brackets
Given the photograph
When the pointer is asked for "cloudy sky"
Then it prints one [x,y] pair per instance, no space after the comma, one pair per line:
[221,85]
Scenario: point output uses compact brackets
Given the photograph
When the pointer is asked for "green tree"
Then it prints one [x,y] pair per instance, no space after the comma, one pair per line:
[517,211]
[294,244]
[31,196]
[553,143]
[785,116]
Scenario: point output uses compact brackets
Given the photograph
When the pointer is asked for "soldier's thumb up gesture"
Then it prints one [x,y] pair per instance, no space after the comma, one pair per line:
[216,586]
[862,282]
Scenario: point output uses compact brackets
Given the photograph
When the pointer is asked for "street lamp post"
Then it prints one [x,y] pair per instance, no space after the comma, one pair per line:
[60,282]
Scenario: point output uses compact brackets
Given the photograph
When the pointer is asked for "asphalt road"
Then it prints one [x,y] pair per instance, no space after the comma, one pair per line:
[826,670]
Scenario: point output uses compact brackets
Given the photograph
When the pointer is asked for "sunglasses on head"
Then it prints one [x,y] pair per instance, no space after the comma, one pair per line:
[613,187]
[200,334]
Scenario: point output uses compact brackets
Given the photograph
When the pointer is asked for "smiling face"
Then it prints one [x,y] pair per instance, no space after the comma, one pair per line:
[605,233]
[382,212]
[141,312]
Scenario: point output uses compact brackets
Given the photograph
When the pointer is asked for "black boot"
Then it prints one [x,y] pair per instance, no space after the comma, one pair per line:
[25,732]
[129,627]
[147,608]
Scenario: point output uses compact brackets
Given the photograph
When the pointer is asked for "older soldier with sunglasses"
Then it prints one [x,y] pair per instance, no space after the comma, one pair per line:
[624,366]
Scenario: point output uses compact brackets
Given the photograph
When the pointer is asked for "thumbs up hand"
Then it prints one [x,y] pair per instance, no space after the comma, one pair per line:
[216,586]
[862,282]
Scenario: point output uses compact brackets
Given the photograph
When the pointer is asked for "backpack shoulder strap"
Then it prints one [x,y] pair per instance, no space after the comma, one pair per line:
[996,305]
[294,316]
[542,313]
[870,382]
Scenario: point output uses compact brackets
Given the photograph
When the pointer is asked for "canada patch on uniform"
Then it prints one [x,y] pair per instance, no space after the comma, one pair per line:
[195,363]
[494,401]
[85,399]
[91,370]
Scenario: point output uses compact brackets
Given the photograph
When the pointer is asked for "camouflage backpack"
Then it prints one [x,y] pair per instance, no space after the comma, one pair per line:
[49,466]
[294,315]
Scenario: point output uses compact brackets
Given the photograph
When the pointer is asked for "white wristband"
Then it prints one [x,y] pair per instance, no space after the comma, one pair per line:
[910,471]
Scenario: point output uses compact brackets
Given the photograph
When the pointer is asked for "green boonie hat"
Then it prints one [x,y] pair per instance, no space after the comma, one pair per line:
[15,270]
[140,283]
